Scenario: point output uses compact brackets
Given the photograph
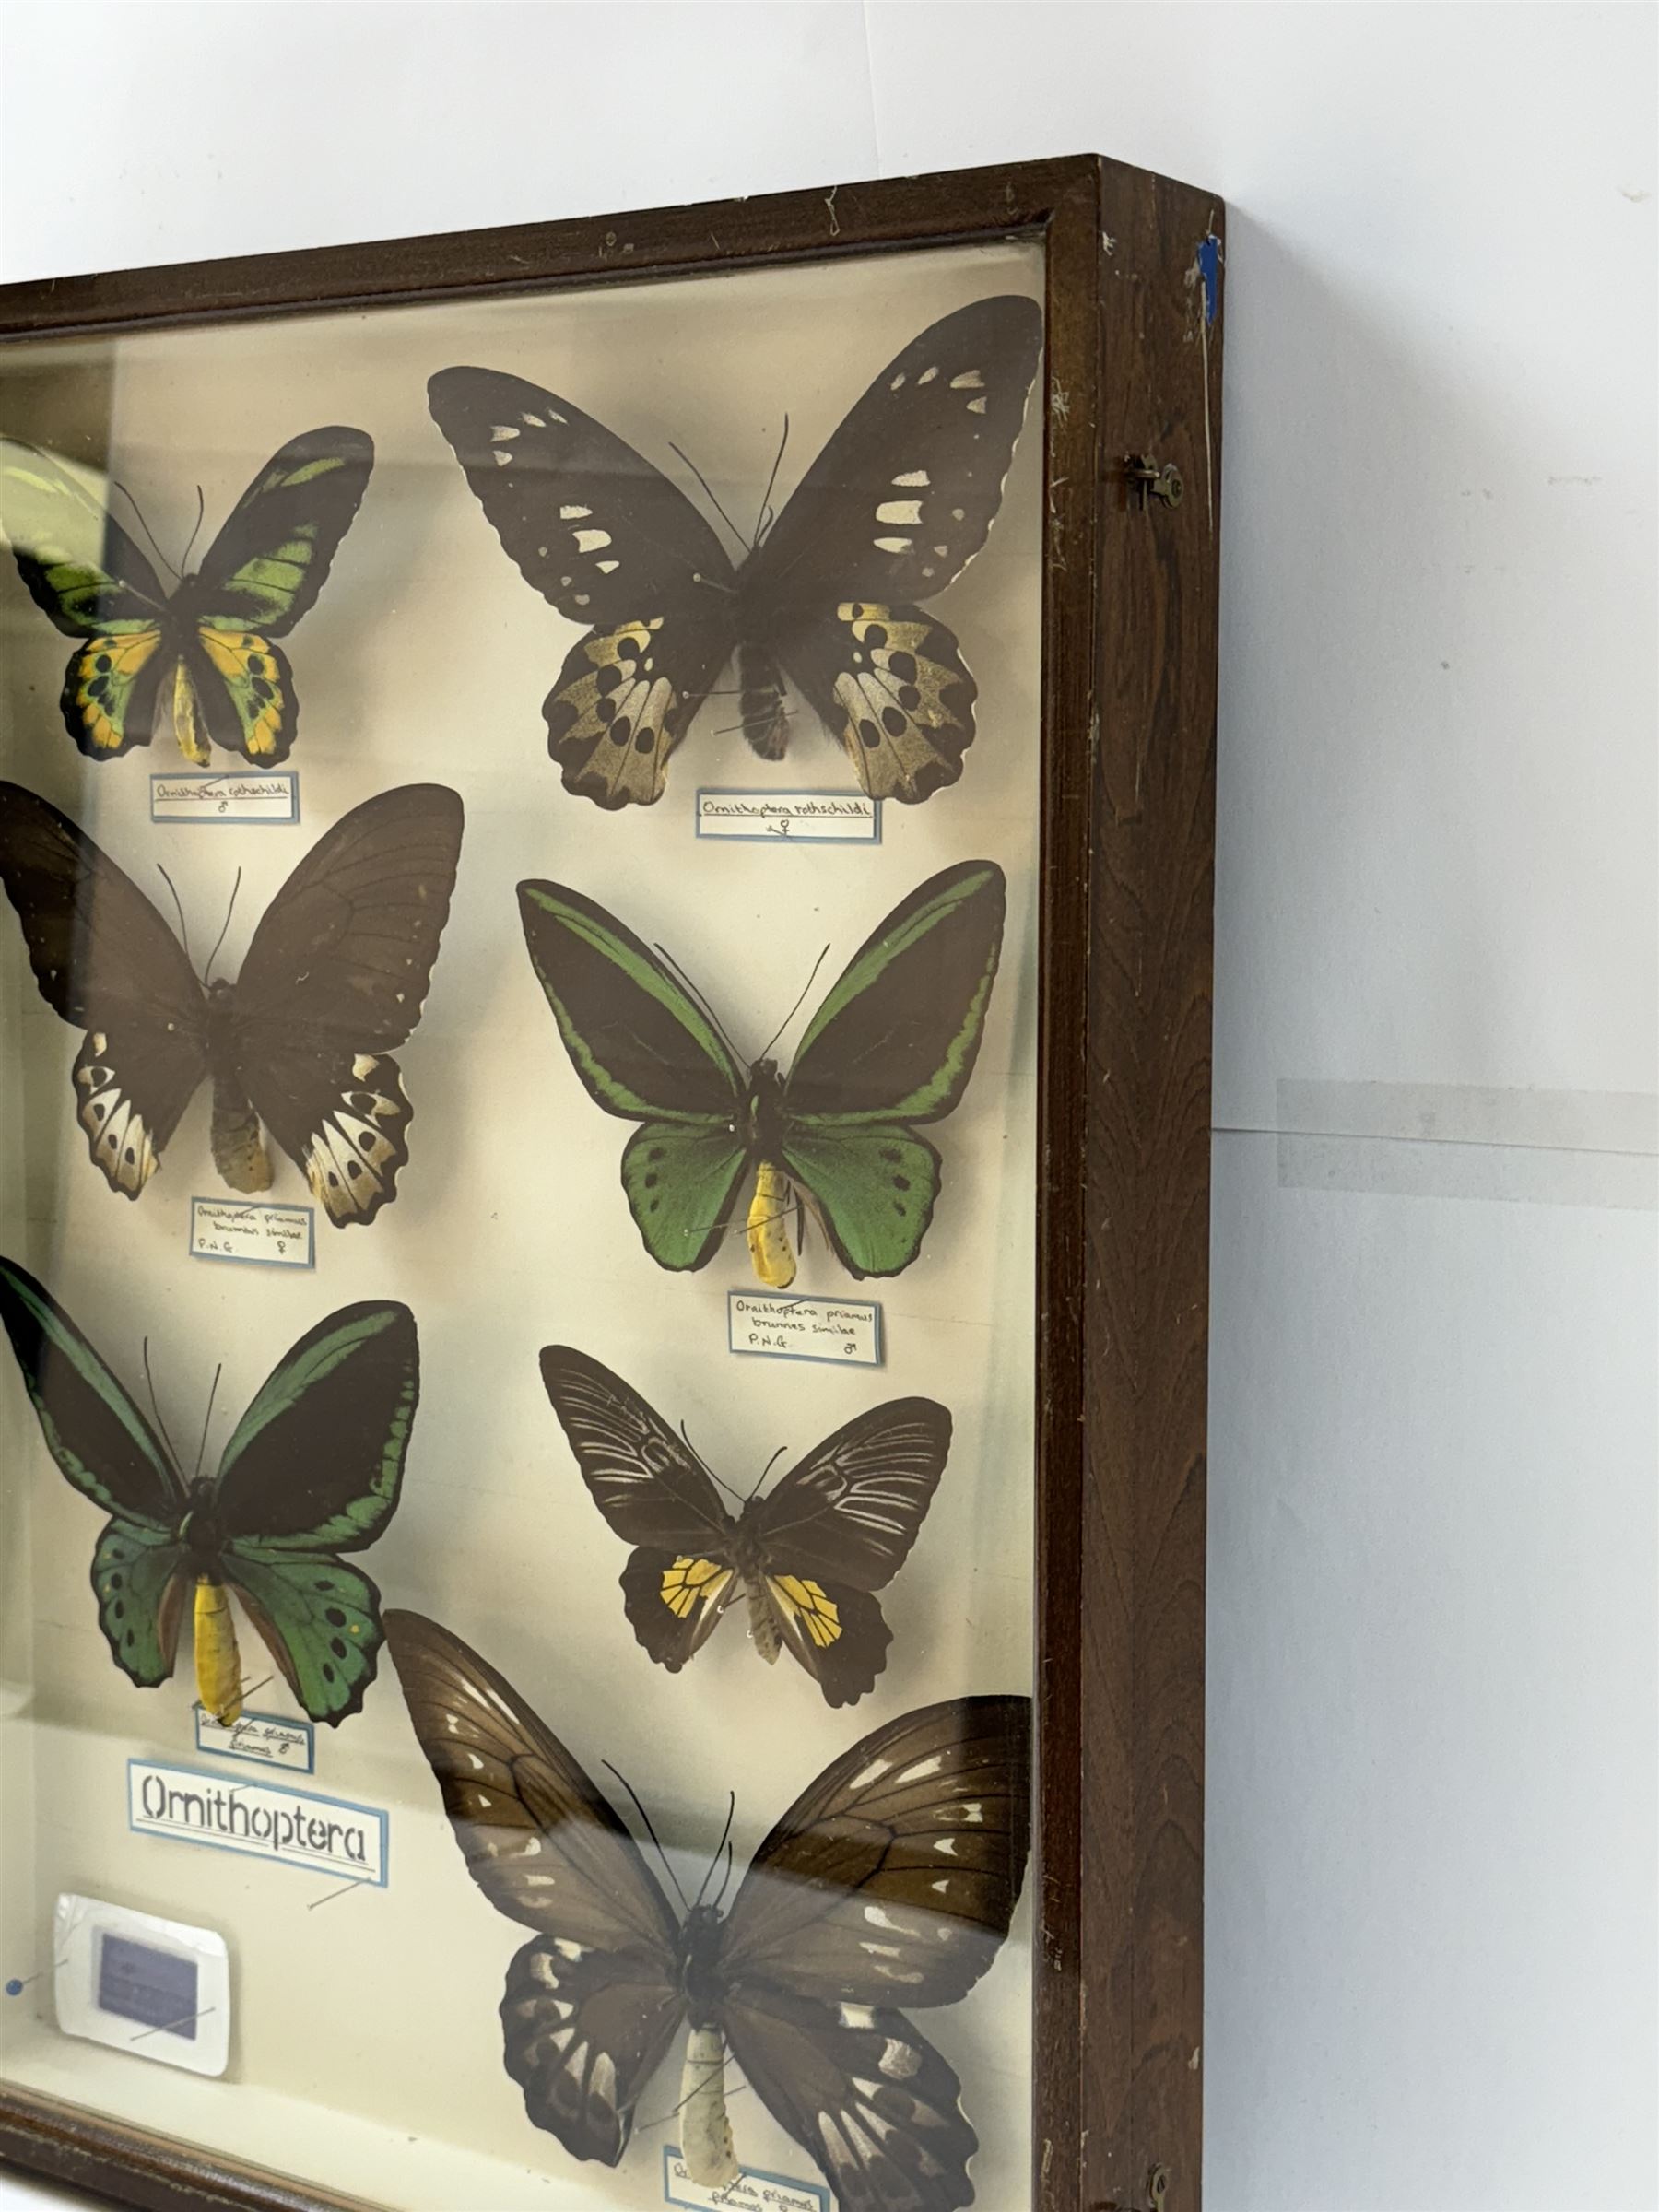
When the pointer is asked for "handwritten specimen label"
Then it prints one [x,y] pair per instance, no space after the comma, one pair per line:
[269,1236]
[749,2193]
[267,1738]
[259,1818]
[240,797]
[844,1332]
[794,818]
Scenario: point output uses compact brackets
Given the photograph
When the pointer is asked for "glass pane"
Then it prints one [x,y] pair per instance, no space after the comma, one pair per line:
[642,1265]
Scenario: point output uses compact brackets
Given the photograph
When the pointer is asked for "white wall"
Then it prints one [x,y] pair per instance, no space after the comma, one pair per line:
[1433,1825]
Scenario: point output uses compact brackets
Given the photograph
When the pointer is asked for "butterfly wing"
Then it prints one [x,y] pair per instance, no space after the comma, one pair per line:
[605,538]
[592,2004]
[866,2096]
[656,1495]
[262,572]
[894,508]
[85,572]
[104,959]
[893,1045]
[838,1527]
[893,1879]
[102,1444]
[314,1469]
[334,978]
[645,1052]
[316,1463]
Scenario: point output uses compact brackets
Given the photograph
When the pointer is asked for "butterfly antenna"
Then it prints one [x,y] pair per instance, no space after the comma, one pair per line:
[228,911]
[726,1877]
[707,1469]
[202,1447]
[709,494]
[116,485]
[725,1837]
[767,1469]
[201,512]
[178,909]
[764,520]
[796,1007]
[701,1004]
[149,1383]
[650,1831]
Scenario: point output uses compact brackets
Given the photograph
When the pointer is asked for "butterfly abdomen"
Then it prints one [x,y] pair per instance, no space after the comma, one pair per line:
[769,1227]
[705,2126]
[239,1150]
[217,1662]
[763,1621]
[762,707]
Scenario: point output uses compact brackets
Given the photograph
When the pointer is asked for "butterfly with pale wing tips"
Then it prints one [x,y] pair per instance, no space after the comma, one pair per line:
[808,1556]
[896,505]
[333,980]
[206,657]
[891,1880]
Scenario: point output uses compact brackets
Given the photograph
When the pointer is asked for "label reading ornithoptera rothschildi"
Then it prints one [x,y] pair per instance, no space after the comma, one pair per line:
[240,796]
[791,817]
[845,1332]
[751,2192]
[269,1236]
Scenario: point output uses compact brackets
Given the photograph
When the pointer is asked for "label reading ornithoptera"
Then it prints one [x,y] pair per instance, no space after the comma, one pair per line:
[751,2192]
[260,1819]
[270,797]
[793,818]
[269,1236]
[846,1332]
[269,1739]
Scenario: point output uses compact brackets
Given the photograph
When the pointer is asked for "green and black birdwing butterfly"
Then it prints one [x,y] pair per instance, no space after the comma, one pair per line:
[891,1880]
[312,1470]
[204,658]
[894,508]
[810,1555]
[334,978]
[890,1049]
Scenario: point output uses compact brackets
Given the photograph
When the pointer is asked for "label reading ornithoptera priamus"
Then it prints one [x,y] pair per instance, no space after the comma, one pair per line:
[271,795]
[269,1739]
[262,1819]
[751,2192]
[269,1236]
[793,818]
[845,1332]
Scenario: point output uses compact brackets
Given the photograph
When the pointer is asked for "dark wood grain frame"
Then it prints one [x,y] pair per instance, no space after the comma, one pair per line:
[1133,373]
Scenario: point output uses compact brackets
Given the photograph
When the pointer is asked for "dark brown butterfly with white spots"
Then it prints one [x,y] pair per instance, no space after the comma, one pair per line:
[894,508]
[890,1881]
[333,980]
[808,1556]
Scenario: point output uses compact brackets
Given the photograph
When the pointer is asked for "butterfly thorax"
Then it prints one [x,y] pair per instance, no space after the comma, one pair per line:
[239,1151]
[765,1104]
[199,1531]
[702,1985]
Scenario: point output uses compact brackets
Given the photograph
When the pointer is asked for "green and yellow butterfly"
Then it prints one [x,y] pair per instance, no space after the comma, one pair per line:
[312,1469]
[890,1049]
[205,658]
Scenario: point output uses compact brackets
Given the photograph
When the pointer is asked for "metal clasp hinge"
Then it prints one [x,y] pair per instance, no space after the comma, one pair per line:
[1152,480]
[1157,2192]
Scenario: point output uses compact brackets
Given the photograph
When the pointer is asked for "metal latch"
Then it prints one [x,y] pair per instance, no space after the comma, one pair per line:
[1152,480]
